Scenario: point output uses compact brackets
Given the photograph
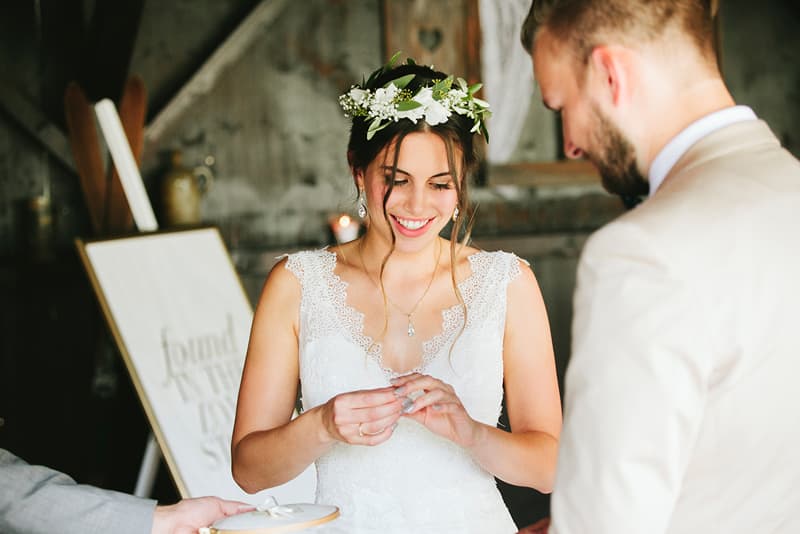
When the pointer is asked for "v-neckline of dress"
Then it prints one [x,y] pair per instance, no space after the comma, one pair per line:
[353,320]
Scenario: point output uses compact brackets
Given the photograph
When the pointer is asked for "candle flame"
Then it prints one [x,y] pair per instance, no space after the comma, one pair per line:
[344,220]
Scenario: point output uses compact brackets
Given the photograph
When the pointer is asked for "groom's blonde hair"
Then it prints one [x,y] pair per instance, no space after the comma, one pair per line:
[584,24]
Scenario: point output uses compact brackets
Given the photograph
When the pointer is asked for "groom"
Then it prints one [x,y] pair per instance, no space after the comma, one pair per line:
[681,398]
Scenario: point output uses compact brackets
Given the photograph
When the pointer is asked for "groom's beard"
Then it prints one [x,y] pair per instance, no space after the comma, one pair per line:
[615,159]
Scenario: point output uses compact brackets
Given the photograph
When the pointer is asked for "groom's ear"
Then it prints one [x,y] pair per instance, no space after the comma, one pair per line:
[611,74]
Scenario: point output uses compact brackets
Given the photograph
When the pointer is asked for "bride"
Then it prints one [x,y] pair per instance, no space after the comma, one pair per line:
[403,342]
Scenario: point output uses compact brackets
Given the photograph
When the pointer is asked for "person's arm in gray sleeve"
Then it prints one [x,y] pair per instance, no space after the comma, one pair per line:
[36,499]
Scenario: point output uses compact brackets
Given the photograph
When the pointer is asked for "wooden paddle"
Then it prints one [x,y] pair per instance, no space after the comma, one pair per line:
[132,110]
[86,151]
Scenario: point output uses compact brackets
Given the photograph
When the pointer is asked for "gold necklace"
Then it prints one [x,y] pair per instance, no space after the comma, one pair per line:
[411,331]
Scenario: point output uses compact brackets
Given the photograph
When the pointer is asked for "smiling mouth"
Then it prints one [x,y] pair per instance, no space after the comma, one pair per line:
[411,224]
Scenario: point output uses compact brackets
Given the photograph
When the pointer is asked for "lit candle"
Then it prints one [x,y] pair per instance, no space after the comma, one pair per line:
[344,227]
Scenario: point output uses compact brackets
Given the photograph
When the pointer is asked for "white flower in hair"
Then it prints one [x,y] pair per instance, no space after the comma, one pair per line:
[382,105]
[455,97]
[385,95]
[412,114]
[435,112]
[359,96]
[393,102]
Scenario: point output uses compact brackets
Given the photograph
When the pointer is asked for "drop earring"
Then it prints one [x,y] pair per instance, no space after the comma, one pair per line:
[455,214]
[362,204]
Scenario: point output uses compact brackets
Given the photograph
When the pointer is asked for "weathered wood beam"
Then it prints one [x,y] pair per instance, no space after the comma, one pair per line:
[545,174]
[564,245]
[33,121]
[206,77]
[257,264]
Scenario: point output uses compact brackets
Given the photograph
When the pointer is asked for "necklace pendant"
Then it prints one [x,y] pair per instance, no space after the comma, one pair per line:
[411,331]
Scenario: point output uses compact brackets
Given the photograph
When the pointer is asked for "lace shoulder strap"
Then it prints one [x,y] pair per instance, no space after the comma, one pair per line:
[495,268]
[312,268]
[492,272]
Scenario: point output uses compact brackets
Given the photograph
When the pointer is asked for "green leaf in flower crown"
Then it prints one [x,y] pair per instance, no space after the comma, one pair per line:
[375,126]
[393,60]
[462,84]
[381,70]
[410,61]
[475,88]
[408,105]
[442,86]
[401,82]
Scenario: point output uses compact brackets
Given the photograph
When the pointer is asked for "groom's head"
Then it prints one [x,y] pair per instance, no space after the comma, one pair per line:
[608,66]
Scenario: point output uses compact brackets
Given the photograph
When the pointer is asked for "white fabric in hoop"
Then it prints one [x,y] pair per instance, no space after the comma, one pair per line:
[507,74]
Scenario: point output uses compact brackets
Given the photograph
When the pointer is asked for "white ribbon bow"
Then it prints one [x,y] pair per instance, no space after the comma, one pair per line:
[271,507]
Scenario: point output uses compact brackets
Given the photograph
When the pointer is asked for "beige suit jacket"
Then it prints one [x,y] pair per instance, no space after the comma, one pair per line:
[682,396]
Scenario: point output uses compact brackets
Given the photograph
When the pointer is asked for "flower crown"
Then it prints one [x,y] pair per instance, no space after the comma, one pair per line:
[434,103]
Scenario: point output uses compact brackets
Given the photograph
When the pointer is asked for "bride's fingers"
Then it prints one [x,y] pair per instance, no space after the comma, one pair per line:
[358,407]
[422,386]
[376,439]
[402,380]
[421,383]
[376,426]
[360,415]
[342,412]
[440,400]
[366,398]
[373,432]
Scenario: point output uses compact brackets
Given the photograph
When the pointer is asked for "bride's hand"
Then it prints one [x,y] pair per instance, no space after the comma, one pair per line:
[437,406]
[364,417]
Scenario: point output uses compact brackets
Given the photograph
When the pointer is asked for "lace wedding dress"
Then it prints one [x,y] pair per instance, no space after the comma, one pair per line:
[416,482]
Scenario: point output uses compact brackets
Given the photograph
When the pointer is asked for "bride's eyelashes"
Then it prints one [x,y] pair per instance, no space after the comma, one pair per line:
[437,185]
[442,186]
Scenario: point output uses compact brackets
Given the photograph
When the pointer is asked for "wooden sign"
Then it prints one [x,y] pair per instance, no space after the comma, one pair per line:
[181,321]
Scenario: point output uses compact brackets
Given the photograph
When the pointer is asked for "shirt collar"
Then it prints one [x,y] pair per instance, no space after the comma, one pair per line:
[679,144]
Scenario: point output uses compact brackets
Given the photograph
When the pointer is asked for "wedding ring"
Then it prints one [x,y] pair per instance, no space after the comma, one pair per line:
[361,432]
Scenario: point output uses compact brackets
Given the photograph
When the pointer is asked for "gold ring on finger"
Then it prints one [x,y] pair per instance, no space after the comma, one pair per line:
[362,433]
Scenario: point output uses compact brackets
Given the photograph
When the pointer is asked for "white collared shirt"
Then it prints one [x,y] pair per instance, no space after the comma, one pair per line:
[679,144]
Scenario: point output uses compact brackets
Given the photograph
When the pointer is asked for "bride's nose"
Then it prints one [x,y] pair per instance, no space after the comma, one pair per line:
[415,200]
